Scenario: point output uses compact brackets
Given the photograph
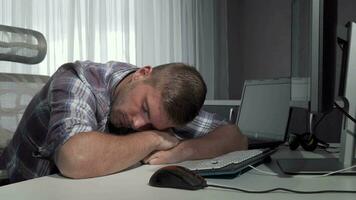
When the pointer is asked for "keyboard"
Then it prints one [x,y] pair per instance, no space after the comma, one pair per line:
[230,163]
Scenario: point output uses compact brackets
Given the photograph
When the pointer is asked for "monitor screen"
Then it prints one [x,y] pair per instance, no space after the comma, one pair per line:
[264,108]
[350,80]
[349,129]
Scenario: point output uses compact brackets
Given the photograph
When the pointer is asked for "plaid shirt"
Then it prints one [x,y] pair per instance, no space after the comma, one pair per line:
[76,99]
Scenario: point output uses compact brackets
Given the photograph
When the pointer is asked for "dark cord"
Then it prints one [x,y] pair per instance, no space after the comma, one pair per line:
[320,120]
[282,189]
[345,113]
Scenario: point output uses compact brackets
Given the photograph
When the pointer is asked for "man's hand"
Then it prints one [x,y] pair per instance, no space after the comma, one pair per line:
[173,155]
[167,151]
[165,140]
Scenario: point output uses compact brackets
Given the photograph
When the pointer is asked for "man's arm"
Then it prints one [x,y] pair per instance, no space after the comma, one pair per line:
[94,154]
[221,140]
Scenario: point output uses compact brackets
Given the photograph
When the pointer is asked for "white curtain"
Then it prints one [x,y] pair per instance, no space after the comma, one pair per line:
[141,32]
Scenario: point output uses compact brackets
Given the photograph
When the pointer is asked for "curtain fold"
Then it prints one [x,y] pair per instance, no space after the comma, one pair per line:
[141,32]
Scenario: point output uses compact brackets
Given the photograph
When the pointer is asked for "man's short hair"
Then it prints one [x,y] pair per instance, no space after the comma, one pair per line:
[183,91]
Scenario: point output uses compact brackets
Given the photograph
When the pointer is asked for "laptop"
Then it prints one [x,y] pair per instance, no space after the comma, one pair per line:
[263,117]
[264,112]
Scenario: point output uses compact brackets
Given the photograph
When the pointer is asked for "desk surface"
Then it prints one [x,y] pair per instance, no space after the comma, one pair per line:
[133,184]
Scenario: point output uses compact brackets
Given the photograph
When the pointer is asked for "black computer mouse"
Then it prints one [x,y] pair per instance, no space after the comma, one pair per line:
[177,177]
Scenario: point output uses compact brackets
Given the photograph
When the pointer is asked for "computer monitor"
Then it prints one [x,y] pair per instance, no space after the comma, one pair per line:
[349,96]
[314,42]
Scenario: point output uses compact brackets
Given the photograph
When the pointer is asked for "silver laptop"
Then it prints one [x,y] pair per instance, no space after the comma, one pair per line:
[264,112]
[263,116]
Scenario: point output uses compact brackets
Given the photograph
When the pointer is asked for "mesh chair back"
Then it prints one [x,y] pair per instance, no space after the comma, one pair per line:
[22,45]
[16,92]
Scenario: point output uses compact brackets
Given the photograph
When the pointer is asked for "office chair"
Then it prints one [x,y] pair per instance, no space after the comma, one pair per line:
[16,90]
[22,45]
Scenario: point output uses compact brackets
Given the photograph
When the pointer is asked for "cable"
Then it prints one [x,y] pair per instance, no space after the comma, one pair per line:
[281,189]
[285,189]
[320,120]
[318,176]
[311,127]
[331,173]
[262,171]
[345,113]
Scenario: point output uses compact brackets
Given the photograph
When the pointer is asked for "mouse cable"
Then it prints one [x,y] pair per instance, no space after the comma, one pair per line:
[288,190]
[281,189]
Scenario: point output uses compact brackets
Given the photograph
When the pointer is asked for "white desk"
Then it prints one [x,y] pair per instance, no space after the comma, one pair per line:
[133,184]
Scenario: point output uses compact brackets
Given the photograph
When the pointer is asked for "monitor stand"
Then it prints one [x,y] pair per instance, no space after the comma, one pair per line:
[313,166]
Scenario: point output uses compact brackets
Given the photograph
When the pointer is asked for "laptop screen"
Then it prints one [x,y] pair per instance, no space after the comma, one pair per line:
[264,109]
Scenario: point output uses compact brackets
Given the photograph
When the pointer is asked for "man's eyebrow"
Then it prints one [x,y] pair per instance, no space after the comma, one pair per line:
[149,114]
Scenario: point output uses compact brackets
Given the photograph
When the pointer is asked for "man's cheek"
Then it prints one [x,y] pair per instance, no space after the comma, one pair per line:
[114,119]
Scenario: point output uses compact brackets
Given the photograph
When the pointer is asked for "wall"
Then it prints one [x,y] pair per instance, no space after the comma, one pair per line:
[259,42]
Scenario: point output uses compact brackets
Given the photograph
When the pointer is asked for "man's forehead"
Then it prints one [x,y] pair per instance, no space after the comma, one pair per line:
[160,120]
[158,116]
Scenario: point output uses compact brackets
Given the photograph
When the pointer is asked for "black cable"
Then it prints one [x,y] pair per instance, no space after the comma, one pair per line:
[314,127]
[282,189]
[307,128]
[320,120]
[345,113]
[341,43]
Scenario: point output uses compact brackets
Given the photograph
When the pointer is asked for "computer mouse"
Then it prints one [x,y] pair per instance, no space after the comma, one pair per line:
[177,177]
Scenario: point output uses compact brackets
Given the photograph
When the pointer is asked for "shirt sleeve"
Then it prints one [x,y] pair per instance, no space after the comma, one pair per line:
[202,124]
[72,108]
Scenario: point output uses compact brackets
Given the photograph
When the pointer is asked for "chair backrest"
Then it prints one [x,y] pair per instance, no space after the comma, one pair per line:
[16,91]
[22,45]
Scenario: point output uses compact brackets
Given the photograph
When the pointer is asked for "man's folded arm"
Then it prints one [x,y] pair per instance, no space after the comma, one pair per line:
[93,154]
[221,140]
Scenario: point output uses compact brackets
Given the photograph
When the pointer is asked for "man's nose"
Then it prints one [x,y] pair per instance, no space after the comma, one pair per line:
[139,122]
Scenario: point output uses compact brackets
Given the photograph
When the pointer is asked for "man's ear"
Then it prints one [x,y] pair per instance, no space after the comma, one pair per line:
[143,72]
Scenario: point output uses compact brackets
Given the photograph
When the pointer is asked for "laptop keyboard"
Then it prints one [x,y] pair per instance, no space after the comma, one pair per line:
[222,161]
